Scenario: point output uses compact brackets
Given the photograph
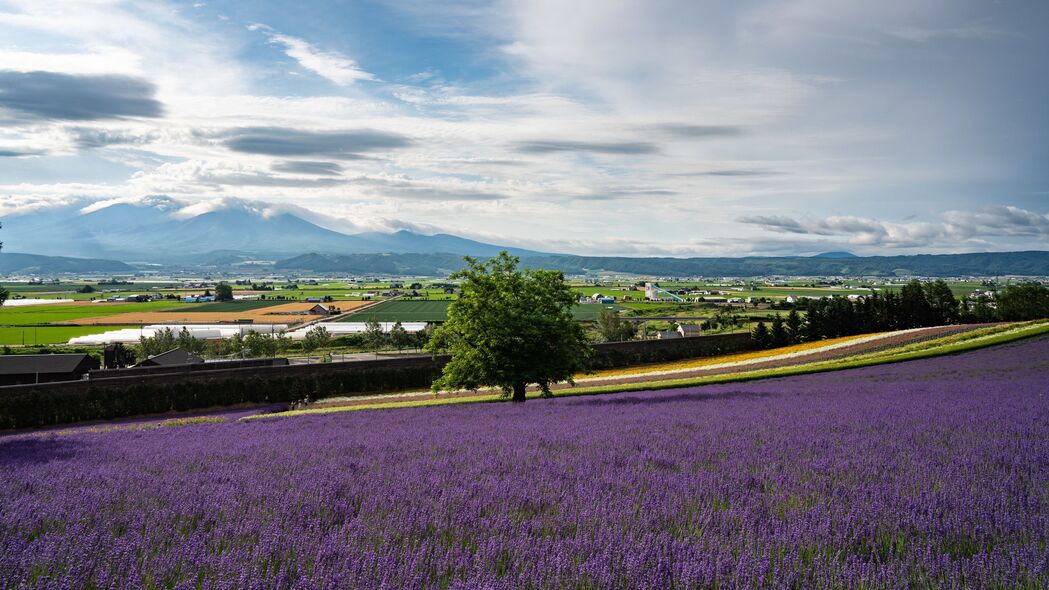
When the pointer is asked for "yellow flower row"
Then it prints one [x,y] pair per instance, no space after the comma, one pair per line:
[731,358]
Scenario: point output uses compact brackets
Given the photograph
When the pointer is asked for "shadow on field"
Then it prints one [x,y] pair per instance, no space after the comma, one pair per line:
[653,398]
[31,451]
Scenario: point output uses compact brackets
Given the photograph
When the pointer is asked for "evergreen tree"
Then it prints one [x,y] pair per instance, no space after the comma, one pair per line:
[778,333]
[794,327]
[915,311]
[944,308]
[760,335]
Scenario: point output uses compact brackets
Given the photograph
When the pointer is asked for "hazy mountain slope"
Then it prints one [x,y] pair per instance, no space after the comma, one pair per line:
[35,264]
[153,231]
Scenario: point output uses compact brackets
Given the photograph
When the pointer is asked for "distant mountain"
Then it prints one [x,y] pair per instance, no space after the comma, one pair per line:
[379,264]
[1034,263]
[835,255]
[153,231]
[34,264]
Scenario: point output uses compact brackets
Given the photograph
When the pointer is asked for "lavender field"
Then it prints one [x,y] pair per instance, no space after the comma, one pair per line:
[932,473]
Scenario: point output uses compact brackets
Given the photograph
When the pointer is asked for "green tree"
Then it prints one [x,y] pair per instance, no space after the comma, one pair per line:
[236,345]
[223,292]
[374,336]
[943,304]
[1023,301]
[613,327]
[760,335]
[260,345]
[778,332]
[281,342]
[794,327]
[915,311]
[189,343]
[315,338]
[510,328]
[4,294]
[399,336]
[161,341]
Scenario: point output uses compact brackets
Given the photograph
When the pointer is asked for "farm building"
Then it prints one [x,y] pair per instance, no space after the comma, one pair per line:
[667,334]
[170,358]
[17,369]
[688,330]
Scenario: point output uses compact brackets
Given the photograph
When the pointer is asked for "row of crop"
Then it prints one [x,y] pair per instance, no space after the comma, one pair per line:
[972,340]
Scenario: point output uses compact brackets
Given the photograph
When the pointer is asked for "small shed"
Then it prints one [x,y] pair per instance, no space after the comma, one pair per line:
[18,369]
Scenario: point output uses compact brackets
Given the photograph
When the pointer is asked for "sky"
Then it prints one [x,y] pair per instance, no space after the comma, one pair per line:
[601,127]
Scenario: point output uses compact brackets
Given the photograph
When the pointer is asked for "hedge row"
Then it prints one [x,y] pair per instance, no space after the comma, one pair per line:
[626,354]
[36,407]
[63,403]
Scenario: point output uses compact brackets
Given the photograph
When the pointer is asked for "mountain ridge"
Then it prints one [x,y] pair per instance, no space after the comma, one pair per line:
[151,231]
[36,264]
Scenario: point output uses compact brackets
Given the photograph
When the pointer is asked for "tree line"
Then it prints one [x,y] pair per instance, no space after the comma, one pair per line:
[917,305]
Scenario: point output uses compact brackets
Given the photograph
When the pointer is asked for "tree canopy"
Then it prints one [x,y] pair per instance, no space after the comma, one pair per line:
[509,329]
[614,328]
[223,292]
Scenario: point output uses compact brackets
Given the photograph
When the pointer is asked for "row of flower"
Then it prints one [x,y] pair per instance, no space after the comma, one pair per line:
[924,474]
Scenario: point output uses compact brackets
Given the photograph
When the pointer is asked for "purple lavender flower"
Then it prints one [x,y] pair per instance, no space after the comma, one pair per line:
[932,473]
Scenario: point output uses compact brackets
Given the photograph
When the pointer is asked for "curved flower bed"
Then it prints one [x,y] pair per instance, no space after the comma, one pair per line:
[780,357]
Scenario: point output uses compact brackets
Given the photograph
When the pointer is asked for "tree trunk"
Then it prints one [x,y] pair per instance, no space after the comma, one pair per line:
[519,392]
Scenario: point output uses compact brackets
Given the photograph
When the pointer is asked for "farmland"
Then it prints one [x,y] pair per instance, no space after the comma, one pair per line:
[49,314]
[234,306]
[403,311]
[36,335]
[929,474]
[284,313]
[57,323]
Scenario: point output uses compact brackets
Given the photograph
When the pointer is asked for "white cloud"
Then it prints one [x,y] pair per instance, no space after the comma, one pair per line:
[328,64]
[954,228]
[618,123]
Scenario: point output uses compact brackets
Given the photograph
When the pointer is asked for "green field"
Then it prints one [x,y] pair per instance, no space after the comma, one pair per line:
[588,312]
[403,311]
[16,336]
[48,314]
[227,306]
[613,291]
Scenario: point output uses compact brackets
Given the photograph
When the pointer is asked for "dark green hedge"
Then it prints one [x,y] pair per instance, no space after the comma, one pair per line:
[625,354]
[38,407]
[66,403]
